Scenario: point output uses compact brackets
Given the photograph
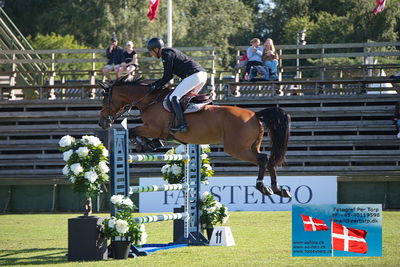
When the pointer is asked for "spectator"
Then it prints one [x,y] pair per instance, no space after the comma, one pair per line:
[115,56]
[396,118]
[270,59]
[254,54]
[130,64]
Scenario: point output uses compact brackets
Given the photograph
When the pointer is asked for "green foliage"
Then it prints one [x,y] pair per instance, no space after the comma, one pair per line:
[212,212]
[57,41]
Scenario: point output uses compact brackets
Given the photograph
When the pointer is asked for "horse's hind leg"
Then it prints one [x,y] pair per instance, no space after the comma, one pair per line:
[262,160]
[274,184]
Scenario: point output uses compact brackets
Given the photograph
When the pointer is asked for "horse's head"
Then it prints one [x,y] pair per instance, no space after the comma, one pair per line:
[119,97]
[108,111]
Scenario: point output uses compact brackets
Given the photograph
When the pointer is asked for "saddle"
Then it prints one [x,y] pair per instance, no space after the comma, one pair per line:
[190,102]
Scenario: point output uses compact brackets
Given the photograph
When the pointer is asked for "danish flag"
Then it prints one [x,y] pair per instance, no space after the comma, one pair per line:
[153,8]
[380,6]
[348,239]
[313,224]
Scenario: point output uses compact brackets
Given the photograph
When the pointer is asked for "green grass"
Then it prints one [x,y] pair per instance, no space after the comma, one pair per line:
[262,239]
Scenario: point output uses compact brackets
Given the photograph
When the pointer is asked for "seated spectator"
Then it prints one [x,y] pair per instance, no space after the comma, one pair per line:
[130,64]
[396,118]
[254,54]
[270,59]
[115,56]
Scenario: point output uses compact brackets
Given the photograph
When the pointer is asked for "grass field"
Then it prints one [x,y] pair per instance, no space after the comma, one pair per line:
[262,239]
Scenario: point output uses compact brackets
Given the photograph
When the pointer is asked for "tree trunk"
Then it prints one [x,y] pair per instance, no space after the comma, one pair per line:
[88,207]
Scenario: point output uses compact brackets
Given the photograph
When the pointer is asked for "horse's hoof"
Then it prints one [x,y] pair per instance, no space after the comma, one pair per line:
[265,190]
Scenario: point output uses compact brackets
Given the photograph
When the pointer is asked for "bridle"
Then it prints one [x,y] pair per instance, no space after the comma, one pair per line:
[128,107]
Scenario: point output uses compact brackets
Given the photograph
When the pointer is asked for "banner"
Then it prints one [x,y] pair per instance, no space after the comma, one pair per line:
[353,230]
[238,193]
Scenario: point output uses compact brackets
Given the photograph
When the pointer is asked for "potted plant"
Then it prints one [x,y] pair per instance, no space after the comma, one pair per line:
[121,228]
[212,213]
[174,171]
[86,166]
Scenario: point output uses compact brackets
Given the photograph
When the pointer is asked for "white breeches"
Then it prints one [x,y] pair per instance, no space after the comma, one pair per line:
[193,83]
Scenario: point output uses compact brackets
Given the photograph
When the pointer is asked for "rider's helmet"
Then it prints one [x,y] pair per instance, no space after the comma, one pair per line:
[154,43]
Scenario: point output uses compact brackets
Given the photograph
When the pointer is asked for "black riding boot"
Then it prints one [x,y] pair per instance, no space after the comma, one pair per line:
[181,127]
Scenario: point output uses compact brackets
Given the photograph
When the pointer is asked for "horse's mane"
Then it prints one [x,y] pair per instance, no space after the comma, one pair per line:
[131,80]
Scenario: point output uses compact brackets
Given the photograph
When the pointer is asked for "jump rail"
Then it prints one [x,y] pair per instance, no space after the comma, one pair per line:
[120,160]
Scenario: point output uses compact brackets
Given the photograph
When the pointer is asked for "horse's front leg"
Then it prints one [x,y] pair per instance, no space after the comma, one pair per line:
[140,138]
[274,183]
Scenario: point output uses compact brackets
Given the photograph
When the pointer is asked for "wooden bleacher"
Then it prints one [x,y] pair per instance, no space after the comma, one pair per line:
[348,135]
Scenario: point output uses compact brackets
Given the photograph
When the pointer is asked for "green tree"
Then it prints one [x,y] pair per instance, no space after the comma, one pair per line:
[56,41]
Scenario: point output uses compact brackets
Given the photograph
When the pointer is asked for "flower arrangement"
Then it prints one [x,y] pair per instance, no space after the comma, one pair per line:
[123,225]
[212,212]
[86,165]
[174,171]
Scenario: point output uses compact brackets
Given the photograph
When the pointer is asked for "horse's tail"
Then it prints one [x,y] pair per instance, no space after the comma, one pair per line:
[277,122]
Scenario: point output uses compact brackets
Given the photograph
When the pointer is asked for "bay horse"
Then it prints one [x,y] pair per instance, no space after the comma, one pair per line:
[239,130]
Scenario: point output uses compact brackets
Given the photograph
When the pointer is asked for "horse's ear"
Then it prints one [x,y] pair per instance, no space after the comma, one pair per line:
[104,86]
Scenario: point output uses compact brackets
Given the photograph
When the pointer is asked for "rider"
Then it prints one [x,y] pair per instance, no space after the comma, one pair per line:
[175,62]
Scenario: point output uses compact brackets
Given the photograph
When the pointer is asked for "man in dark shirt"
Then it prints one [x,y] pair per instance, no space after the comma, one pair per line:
[115,56]
[175,62]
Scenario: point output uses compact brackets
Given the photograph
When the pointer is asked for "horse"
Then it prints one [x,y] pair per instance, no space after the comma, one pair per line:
[239,130]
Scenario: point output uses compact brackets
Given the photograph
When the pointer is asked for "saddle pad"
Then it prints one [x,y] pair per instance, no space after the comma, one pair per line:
[192,107]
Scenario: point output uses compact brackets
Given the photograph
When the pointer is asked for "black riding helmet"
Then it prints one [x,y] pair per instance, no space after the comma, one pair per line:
[154,43]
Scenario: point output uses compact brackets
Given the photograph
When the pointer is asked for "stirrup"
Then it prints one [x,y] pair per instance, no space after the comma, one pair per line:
[180,128]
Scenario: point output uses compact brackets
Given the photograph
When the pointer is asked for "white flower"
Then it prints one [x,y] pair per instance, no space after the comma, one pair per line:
[116,199]
[105,152]
[127,201]
[205,195]
[91,176]
[142,228]
[205,146]
[111,222]
[121,226]
[176,169]
[82,151]
[203,156]
[208,167]
[143,239]
[103,167]
[181,149]
[211,209]
[218,204]
[65,170]
[166,168]
[66,141]
[225,219]
[76,168]
[67,154]
[205,182]
[91,140]
[72,179]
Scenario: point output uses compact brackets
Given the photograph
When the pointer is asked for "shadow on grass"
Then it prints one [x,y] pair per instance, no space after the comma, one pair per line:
[42,256]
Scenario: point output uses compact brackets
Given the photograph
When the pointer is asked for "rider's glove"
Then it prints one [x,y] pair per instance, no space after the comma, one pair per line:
[153,87]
